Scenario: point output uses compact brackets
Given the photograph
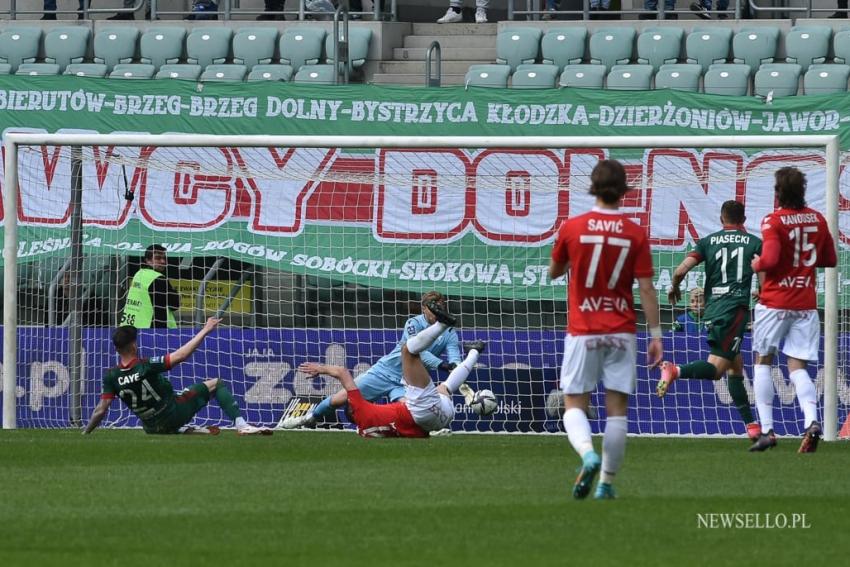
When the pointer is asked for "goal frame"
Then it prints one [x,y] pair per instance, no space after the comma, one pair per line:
[12,140]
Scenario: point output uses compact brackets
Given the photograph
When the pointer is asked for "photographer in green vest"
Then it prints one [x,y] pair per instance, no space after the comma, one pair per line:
[151,301]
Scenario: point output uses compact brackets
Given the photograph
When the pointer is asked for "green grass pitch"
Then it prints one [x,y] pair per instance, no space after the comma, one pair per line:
[123,498]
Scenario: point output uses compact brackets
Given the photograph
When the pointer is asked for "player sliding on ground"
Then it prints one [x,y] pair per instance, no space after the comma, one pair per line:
[604,252]
[727,254]
[384,379]
[142,387]
[796,242]
[425,407]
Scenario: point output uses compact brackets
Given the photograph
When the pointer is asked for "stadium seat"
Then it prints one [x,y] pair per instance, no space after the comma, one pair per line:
[707,46]
[658,46]
[270,73]
[224,74]
[358,46]
[116,45]
[208,46]
[679,77]
[315,74]
[826,79]
[65,45]
[841,46]
[755,46]
[806,45]
[629,78]
[563,46]
[301,46]
[494,76]
[611,46]
[254,46]
[86,70]
[162,46]
[780,79]
[516,46]
[19,45]
[534,77]
[5,69]
[583,76]
[132,71]
[183,72]
[727,79]
[38,69]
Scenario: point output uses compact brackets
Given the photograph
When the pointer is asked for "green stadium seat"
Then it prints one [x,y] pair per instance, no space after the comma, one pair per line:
[224,74]
[493,76]
[780,79]
[727,79]
[755,46]
[563,46]
[301,46]
[535,77]
[65,45]
[208,46]
[86,70]
[37,69]
[806,45]
[516,46]
[679,77]
[162,46]
[254,46]
[132,71]
[583,76]
[358,46]
[270,73]
[5,69]
[611,46]
[115,45]
[706,46]
[315,74]
[629,78]
[19,45]
[841,46]
[826,79]
[183,72]
[659,46]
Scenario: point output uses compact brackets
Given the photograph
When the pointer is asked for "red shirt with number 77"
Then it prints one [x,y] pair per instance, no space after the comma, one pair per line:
[606,253]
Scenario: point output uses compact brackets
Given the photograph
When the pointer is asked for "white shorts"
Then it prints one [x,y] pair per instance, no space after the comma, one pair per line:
[587,358]
[430,409]
[799,329]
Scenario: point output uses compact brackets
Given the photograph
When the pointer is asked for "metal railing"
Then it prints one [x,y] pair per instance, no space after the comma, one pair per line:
[431,80]
[86,10]
[342,57]
[534,10]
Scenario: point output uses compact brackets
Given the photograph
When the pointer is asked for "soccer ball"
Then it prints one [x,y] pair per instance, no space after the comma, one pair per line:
[484,403]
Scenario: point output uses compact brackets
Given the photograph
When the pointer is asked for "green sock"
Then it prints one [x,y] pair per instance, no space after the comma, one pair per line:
[226,402]
[739,397]
[700,370]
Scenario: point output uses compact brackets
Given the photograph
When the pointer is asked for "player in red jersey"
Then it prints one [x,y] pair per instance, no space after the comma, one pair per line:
[425,407]
[796,241]
[604,252]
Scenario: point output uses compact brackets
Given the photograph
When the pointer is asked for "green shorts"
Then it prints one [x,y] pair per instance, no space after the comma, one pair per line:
[726,331]
[185,406]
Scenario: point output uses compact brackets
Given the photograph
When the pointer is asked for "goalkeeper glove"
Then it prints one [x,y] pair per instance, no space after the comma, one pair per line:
[447,366]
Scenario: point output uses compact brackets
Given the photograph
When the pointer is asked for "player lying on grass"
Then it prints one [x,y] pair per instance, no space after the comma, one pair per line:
[727,255]
[425,407]
[797,241]
[604,253]
[150,396]
[384,378]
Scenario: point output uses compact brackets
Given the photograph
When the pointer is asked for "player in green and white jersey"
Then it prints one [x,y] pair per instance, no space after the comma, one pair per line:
[727,255]
[142,387]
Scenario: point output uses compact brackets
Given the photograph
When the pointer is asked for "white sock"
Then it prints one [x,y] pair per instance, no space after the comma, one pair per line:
[240,422]
[763,386]
[578,430]
[613,446]
[806,395]
[461,372]
[425,338]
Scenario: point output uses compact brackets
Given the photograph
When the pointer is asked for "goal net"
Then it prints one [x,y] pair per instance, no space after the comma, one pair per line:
[320,249]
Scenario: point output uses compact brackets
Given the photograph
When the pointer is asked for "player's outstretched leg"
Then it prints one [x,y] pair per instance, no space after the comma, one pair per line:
[578,432]
[231,409]
[456,382]
[669,374]
[200,430]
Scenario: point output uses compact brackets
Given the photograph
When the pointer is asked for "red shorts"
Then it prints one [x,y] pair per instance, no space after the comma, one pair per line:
[382,420]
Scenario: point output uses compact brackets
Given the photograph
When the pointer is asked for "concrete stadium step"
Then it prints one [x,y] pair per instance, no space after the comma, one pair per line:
[448,54]
[416,80]
[418,67]
[456,29]
[447,41]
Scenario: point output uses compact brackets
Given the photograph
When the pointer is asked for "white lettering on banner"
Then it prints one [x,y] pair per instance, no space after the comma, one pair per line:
[147,105]
[400,112]
[223,107]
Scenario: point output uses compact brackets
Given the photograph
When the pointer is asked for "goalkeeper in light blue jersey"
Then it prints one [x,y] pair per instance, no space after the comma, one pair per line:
[385,377]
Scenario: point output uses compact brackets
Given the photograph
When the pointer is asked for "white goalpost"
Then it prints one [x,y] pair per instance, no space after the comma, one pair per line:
[320,246]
